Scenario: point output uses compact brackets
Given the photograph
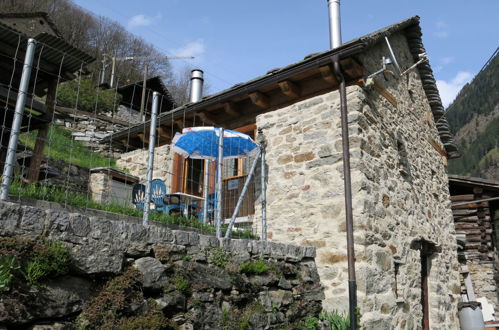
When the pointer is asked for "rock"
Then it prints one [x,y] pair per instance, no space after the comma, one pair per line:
[172,303]
[205,276]
[153,272]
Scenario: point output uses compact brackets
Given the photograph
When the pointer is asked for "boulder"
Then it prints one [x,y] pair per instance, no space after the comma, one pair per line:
[153,272]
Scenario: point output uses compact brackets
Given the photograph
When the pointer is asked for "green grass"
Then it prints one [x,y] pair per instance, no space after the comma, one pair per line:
[254,267]
[62,146]
[60,195]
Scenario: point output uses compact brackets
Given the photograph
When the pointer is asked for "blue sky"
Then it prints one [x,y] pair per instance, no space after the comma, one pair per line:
[234,40]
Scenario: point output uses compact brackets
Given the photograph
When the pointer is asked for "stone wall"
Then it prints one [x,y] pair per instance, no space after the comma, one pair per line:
[135,162]
[400,196]
[216,290]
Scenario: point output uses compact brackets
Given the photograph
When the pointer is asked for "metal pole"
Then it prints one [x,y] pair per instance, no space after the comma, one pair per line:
[352,284]
[150,161]
[241,196]
[218,216]
[263,196]
[334,23]
[113,67]
[206,188]
[10,160]
[143,99]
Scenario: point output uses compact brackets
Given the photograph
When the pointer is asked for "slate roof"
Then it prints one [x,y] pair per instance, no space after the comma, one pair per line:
[410,27]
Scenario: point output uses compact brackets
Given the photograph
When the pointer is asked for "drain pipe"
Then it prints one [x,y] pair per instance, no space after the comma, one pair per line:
[335,41]
[352,284]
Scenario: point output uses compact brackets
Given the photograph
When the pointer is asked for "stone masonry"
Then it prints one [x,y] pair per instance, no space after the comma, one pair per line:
[217,291]
[400,196]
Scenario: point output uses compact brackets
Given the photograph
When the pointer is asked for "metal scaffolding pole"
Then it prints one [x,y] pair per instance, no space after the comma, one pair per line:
[206,188]
[8,168]
[150,161]
[241,196]
[218,216]
[263,195]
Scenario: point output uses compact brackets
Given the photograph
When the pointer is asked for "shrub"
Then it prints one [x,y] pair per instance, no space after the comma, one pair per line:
[112,303]
[219,258]
[254,267]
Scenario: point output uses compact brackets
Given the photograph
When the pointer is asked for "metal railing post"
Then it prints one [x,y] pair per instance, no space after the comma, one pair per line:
[150,161]
[263,196]
[10,160]
[241,196]
[206,188]
[218,213]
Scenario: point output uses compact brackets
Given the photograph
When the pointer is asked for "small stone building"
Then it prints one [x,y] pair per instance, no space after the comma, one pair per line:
[405,243]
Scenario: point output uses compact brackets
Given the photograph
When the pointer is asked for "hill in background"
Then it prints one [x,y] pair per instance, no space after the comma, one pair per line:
[474,120]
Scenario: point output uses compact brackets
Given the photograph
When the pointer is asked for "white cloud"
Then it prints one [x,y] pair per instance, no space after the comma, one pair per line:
[449,89]
[442,29]
[447,60]
[194,48]
[142,20]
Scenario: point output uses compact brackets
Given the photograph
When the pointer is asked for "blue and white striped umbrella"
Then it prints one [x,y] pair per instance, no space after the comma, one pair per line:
[202,143]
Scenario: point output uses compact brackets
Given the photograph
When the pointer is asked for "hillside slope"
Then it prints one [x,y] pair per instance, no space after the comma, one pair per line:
[474,120]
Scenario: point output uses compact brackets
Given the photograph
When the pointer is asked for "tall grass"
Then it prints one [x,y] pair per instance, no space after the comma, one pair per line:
[62,146]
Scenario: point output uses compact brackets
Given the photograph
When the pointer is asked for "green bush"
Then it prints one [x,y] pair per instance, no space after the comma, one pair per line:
[7,265]
[84,96]
[219,258]
[254,267]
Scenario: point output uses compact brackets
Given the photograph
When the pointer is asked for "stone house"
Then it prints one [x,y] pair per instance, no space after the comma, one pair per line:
[405,243]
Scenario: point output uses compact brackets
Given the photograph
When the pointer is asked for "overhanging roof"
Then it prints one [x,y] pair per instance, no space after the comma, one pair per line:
[413,33]
[132,94]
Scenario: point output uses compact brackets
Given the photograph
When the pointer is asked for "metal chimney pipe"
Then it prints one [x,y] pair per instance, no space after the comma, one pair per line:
[196,85]
[334,23]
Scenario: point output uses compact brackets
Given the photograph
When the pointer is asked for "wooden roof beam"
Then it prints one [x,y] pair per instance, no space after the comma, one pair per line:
[259,99]
[164,132]
[206,118]
[230,109]
[290,89]
[143,137]
[352,68]
[328,75]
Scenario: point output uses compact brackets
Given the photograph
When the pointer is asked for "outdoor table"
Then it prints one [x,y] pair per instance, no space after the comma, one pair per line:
[186,200]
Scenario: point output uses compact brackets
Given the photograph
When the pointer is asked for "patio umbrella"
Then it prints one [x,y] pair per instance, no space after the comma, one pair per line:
[206,143]
[202,143]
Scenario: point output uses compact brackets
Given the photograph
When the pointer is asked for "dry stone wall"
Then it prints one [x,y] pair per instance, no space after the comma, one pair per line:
[197,281]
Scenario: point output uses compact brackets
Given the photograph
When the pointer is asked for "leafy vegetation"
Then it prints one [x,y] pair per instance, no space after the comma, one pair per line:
[336,321]
[480,148]
[254,267]
[7,265]
[219,258]
[62,146]
[31,261]
[83,95]
[181,284]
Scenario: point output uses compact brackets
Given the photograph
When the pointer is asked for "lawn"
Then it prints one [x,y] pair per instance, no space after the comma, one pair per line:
[62,146]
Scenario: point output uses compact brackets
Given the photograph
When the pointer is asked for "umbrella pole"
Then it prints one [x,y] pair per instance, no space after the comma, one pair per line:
[206,188]
[241,196]
[219,182]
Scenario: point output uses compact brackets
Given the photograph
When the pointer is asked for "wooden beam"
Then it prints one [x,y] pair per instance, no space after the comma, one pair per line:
[290,89]
[352,68]
[180,123]
[206,118]
[143,137]
[387,95]
[328,75]
[259,99]
[164,132]
[437,147]
[41,137]
[230,109]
